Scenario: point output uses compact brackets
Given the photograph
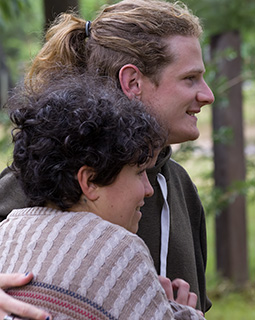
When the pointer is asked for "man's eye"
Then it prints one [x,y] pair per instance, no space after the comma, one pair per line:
[190,78]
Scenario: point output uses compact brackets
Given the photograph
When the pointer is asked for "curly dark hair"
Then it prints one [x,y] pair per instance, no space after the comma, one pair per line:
[72,122]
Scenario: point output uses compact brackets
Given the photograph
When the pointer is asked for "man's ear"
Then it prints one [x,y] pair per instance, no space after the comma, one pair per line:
[130,78]
[89,189]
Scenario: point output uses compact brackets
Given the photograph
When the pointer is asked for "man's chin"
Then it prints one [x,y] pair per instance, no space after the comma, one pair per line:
[193,136]
[184,139]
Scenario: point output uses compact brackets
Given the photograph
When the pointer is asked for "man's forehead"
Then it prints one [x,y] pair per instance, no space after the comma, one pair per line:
[178,47]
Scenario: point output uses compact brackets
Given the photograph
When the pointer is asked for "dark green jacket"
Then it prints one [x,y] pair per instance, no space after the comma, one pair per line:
[11,194]
[187,243]
[187,252]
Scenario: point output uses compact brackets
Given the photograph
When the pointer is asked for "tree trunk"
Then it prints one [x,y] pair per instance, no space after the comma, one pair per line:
[229,162]
[53,7]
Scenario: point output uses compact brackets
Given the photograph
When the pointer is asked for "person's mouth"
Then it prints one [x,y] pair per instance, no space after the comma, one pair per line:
[192,113]
[138,209]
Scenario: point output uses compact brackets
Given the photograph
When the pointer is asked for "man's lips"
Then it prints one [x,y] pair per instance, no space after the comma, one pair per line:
[193,113]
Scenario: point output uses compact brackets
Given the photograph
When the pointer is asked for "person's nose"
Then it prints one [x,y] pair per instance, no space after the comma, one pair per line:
[148,190]
[205,95]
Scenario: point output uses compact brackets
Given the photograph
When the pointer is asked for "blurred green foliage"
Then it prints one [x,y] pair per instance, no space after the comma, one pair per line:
[21,24]
[219,16]
[11,9]
[89,8]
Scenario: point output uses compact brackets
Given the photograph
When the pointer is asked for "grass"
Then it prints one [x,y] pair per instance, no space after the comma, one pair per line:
[234,306]
[228,302]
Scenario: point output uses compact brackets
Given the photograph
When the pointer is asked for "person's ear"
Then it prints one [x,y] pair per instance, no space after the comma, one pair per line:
[130,78]
[89,189]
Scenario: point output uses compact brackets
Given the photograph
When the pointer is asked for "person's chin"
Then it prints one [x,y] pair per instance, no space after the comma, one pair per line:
[185,138]
[133,229]
[193,135]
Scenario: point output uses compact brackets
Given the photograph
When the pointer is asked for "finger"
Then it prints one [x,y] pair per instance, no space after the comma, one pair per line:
[200,313]
[21,309]
[14,279]
[10,305]
[182,287]
[167,286]
[192,300]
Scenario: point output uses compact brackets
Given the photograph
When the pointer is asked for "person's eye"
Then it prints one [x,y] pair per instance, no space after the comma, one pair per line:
[190,78]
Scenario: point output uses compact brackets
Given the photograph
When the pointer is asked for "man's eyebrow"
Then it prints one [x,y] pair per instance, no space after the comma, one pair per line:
[195,70]
[192,71]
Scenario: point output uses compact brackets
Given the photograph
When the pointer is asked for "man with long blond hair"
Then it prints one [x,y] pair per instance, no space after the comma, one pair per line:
[152,50]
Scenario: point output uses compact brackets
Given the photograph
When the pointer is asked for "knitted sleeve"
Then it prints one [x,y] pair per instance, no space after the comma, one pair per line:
[182,312]
[140,295]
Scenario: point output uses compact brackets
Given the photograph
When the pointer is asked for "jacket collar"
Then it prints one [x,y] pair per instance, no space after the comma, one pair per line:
[163,157]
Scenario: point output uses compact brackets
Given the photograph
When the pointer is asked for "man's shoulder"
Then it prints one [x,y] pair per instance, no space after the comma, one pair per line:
[176,165]
[176,169]
[6,173]
[177,175]
[11,194]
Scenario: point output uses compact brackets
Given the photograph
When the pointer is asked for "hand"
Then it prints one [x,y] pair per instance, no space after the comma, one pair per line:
[184,296]
[10,305]
[182,289]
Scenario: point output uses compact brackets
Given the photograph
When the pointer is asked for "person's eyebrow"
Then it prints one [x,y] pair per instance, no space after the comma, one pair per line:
[195,70]
[192,71]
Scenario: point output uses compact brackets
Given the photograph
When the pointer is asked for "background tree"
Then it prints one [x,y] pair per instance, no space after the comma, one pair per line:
[229,162]
[53,8]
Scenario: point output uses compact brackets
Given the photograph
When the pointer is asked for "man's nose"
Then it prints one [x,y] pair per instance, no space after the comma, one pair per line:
[205,95]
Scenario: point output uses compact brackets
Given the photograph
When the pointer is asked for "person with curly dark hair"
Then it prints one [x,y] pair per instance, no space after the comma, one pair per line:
[81,151]
[65,128]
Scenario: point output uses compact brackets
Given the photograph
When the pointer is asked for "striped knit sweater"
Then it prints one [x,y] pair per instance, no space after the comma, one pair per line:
[84,267]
